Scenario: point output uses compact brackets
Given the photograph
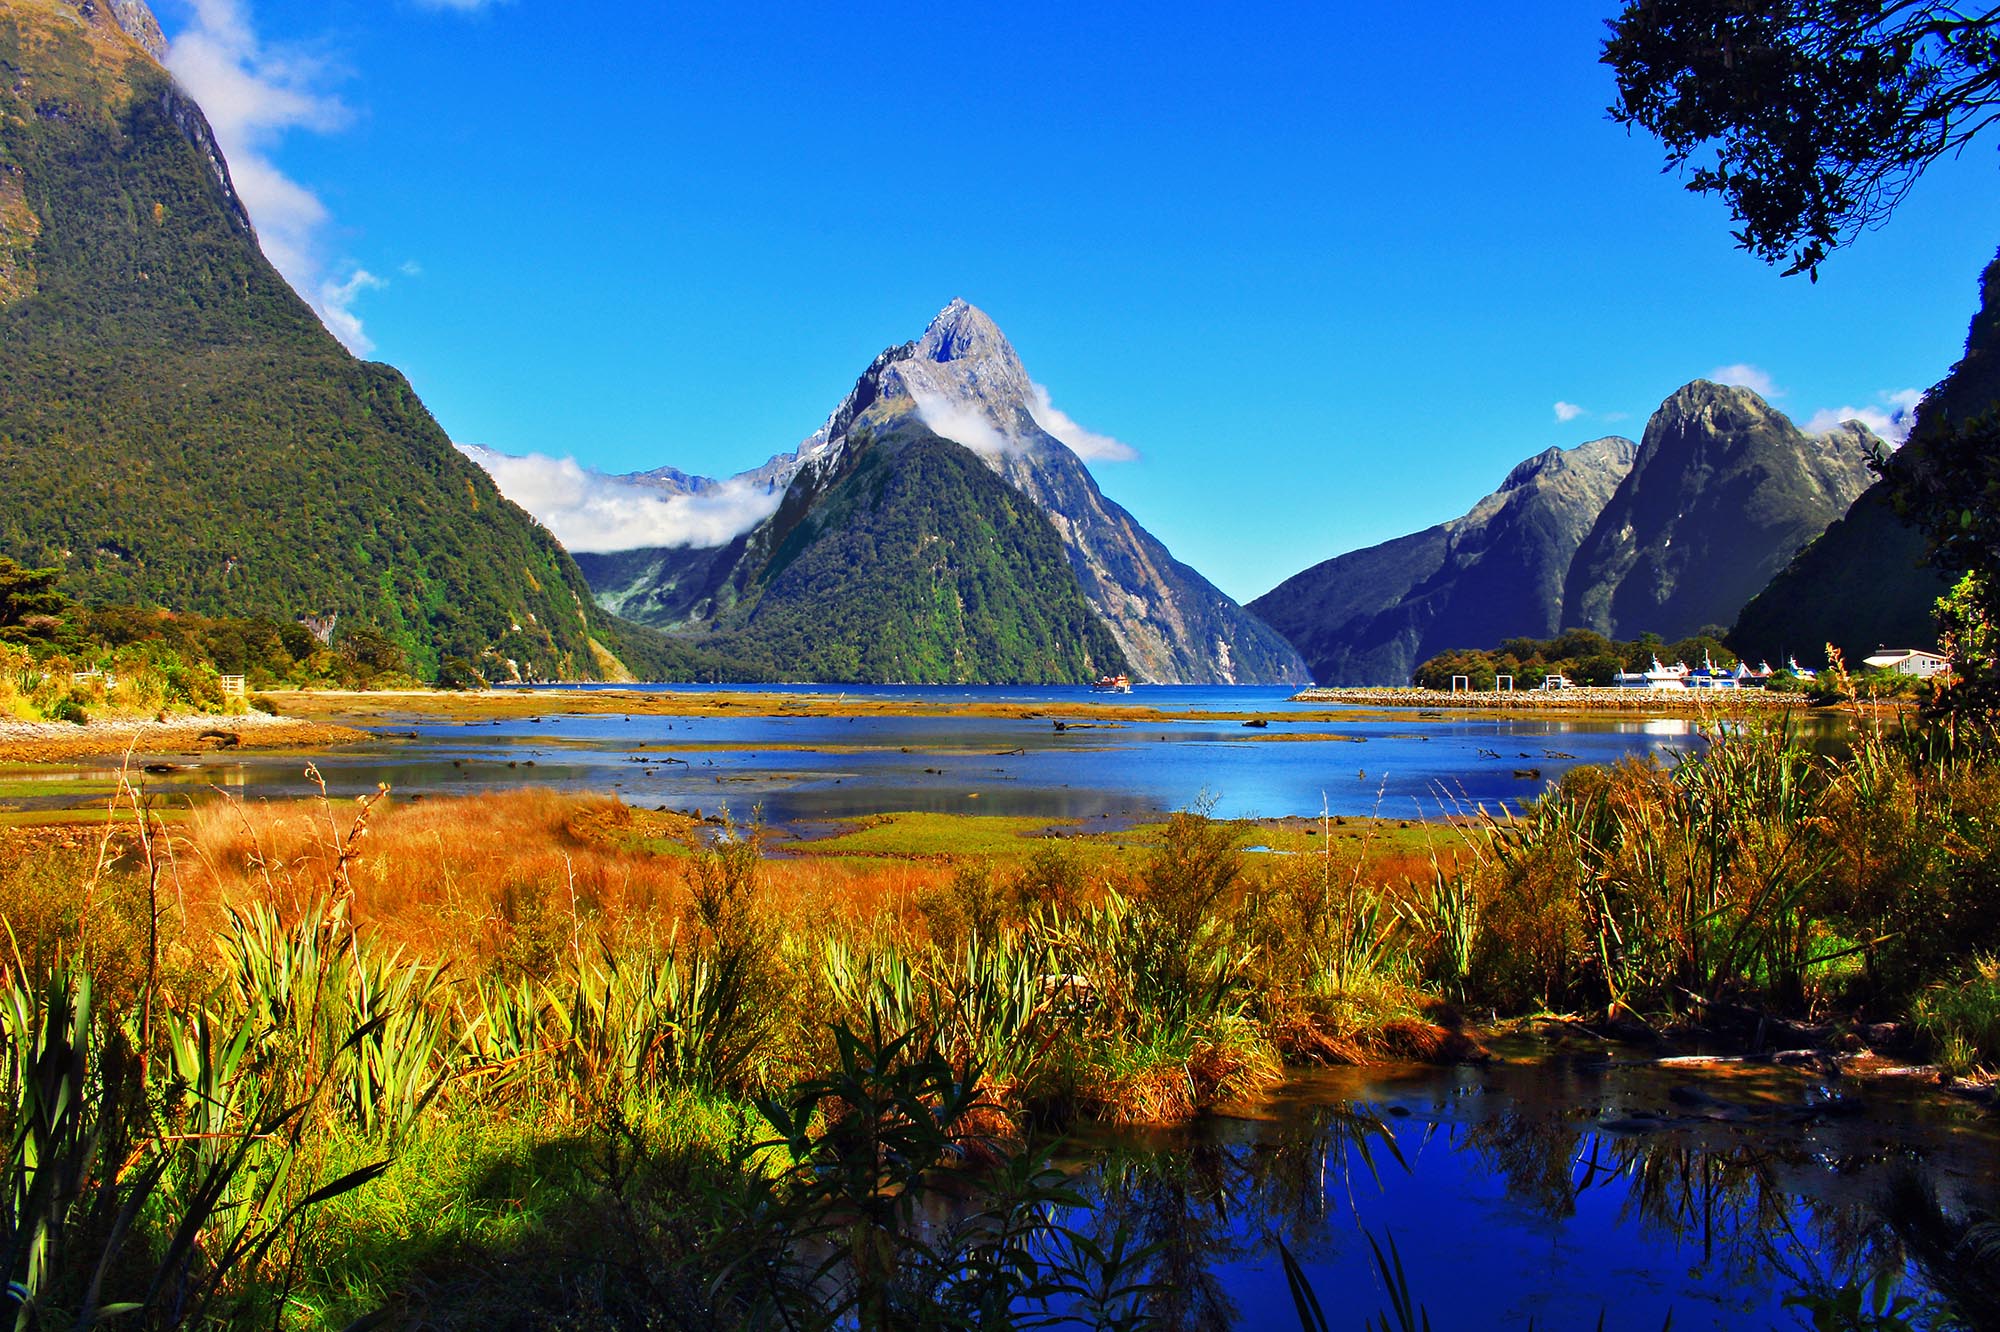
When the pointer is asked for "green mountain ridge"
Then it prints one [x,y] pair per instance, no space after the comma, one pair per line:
[907,561]
[1863,583]
[179,429]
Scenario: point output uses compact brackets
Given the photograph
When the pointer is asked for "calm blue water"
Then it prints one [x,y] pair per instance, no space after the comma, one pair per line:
[807,768]
[1523,1192]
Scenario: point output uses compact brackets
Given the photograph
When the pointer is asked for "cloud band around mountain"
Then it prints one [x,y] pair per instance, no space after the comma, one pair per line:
[589,511]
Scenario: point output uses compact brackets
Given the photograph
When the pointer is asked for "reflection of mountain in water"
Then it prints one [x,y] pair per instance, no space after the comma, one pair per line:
[1525,1192]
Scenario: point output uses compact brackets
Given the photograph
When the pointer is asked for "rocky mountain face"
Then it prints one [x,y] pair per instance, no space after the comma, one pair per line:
[176,426]
[1368,617]
[1863,584]
[1724,492]
[962,381]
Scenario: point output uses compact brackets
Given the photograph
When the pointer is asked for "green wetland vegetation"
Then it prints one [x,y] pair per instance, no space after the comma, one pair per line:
[310,1064]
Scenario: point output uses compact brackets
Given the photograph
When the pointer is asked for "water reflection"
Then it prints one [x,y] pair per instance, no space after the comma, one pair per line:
[1560,1194]
[807,768]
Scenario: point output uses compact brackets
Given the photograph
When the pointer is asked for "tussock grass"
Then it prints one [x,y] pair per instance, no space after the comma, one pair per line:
[546,1031]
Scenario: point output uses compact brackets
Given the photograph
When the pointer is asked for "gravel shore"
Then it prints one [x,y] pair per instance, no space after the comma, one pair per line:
[55,742]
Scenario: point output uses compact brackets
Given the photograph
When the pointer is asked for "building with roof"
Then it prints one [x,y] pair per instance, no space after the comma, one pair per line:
[1907,661]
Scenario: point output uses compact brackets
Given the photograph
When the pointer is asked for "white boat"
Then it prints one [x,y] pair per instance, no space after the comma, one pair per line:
[1667,677]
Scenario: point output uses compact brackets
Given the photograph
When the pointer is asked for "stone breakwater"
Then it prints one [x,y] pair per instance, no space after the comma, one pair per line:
[1650,701]
[51,742]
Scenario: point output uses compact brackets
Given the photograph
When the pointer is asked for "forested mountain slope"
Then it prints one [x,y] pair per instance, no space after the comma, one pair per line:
[176,425]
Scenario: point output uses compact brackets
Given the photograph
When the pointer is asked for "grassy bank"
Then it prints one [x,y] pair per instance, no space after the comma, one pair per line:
[325,1060]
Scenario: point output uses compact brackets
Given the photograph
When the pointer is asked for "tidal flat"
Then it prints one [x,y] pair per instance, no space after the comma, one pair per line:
[607,1026]
[818,753]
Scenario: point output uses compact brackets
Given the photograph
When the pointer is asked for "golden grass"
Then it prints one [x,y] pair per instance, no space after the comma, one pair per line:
[444,877]
[503,880]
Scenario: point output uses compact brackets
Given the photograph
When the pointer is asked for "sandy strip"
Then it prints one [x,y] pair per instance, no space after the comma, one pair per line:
[60,742]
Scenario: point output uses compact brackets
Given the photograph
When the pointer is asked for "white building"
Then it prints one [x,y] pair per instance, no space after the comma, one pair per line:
[1908,661]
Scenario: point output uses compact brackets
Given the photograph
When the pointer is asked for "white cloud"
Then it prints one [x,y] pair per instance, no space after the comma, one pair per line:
[1747,376]
[253,95]
[1567,412]
[590,511]
[1085,444]
[1890,416]
[971,424]
[965,425]
[336,307]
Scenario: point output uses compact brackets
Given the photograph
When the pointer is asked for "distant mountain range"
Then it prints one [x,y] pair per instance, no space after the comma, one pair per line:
[961,384]
[1670,535]
[1368,617]
[176,426]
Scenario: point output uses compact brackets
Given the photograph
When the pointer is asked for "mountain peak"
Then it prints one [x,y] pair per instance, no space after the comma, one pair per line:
[131,17]
[1700,396]
[1610,454]
[963,379]
[964,332]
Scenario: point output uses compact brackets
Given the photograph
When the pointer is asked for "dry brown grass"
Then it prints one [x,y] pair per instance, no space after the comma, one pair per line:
[508,878]
[861,893]
[507,881]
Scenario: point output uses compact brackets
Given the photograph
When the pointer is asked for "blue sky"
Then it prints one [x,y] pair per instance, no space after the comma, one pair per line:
[1329,270]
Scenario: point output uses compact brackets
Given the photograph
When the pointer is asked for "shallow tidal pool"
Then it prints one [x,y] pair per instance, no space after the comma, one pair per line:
[1559,1190]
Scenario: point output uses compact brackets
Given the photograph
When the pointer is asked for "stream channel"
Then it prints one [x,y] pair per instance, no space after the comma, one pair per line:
[1559,1186]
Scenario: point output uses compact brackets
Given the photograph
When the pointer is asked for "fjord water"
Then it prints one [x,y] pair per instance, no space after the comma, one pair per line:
[1554,1190]
[804,768]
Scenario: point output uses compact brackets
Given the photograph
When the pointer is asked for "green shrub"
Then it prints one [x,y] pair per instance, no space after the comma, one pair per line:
[1053,878]
[972,904]
[1960,1018]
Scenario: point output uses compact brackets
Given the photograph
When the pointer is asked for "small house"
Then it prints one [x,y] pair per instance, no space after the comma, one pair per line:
[1907,661]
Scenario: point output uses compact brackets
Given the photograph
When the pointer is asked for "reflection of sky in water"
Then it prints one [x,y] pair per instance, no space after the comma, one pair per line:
[814,767]
[1508,1200]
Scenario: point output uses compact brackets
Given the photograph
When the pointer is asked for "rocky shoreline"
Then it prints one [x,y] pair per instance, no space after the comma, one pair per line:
[114,738]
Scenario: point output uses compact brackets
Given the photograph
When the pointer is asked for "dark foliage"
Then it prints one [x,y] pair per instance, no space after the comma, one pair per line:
[1582,655]
[31,606]
[1811,120]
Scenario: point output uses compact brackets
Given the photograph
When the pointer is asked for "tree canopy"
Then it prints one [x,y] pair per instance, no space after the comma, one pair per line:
[31,605]
[1810,118]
